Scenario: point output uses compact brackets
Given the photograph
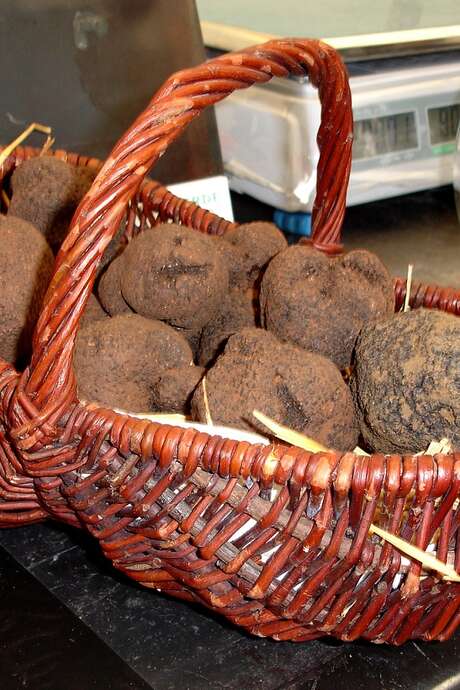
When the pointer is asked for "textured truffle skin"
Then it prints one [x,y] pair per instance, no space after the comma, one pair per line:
[118,360]
[406,382]
[234,259]
[93,312]
[192,337]
[237,312]
[174,389]
[174,274]
[46,192]
[300,389]
[109,289]
[255,244]
[26,267]
[321,303]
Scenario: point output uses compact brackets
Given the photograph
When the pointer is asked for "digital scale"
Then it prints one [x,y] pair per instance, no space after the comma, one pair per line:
[406,114]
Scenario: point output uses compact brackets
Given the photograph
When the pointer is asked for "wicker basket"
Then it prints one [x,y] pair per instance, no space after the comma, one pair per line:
[274,538]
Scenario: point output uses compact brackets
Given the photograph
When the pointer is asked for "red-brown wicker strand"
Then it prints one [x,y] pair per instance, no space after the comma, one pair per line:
[274,538]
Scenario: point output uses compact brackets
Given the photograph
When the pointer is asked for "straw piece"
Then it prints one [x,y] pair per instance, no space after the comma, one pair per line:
[435,447]
[206,402]
[47,145]
[426,559]
[151,416]
[35,126]
[408,288]
[162,417]
[295,438]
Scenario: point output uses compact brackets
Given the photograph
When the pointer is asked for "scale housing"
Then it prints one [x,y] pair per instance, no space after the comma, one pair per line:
[406,113]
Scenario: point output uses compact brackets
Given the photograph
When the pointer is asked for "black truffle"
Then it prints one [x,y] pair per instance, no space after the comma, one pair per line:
[299,389]
[174,389]
[174,274]
[406,381]
[26,267]
[321,303]
[234,259]
[255,244]
[192,336]
[109,289]
[46,192]
[93,312]
[237,312]
[118,360]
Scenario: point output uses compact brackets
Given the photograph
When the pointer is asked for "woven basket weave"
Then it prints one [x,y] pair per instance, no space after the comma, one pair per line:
[184,511]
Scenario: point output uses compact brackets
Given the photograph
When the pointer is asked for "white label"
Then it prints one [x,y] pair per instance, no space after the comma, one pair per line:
[211,193]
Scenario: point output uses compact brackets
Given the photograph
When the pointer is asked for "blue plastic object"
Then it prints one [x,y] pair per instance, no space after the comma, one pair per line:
[293,223]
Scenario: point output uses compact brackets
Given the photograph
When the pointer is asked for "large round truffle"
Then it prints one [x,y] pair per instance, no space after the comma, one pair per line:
[406,381]
[299,389]
[26,267]
[174,274]
[237,312]
[255,244]
[118,360]
[174,389]
[46,192]
[109,289]
[321,303]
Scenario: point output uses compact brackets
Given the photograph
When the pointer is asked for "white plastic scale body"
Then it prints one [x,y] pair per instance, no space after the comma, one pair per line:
[406,113]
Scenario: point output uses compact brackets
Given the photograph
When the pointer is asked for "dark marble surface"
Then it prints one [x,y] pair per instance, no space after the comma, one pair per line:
[172,644]
[43,646]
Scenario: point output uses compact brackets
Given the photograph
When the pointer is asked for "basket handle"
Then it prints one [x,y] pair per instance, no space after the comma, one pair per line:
[48,386]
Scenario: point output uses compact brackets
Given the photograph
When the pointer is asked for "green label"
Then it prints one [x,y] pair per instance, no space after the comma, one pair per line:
[442,149]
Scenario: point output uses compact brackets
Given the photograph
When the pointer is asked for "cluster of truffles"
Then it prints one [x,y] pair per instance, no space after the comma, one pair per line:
[271,327]
[219,326]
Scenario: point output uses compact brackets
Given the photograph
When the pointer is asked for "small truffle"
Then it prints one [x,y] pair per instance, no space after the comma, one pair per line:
[406,381]
[118,360]
[237,312]
[26,268]
[109,289]
[46,192]
[234,259]
[174,274]
[174,389]
[255,244]
[192,336]
[299,389]
[112,250]
[321,303]
[93,312]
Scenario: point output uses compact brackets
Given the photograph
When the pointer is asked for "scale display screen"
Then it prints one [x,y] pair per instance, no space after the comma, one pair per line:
[444,123]
[378,136]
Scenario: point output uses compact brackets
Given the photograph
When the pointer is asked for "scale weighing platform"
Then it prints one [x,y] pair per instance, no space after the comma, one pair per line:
[406,115]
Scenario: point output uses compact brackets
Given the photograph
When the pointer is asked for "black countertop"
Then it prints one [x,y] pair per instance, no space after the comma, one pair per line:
[112,633]
[69,620]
